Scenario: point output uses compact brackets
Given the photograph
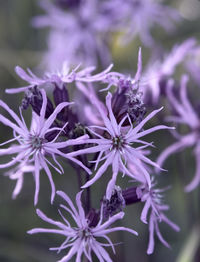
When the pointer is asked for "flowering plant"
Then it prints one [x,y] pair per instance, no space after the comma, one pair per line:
[85,118]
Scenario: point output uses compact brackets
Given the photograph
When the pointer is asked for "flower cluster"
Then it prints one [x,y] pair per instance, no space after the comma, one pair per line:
[113,136]
[101,123]
[185,114]
[81,34]
[83,238]
[131,15]
[81,30]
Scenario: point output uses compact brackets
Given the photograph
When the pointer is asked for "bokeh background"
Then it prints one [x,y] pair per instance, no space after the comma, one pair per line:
[20,44]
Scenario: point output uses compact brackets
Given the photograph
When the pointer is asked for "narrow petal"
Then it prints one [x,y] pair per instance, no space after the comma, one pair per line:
[145,211]
[184,98]
[163,241]
[11,150]
[79,254]
[110,230]
[7,122]
[89,150]
[151,244]
[196,180]
[52,151]
[68,200]
[46,230]
[37,179]
[150,130]
[43,108]
[49,220]
[80,209]
[135,130]
[18,186]
[101,170]
[178,146]
[71,142]
[139,66]
[97,253]
[98,249]
[48,172]
[110,221]
[170,223]
[17,159]
[112,182]
[14,116]
[18,89]
[111,115]
[52,117]
[71,252]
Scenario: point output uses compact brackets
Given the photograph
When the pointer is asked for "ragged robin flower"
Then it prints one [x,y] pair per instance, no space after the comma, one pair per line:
[155,208]
[82,239]
[185,115]
[33,148]
[117,146]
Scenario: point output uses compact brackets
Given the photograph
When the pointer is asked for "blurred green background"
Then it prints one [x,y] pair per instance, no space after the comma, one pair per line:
[20,44]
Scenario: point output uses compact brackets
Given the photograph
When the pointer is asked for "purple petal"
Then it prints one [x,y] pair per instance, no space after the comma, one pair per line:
[111,115]
[196,180]
[150,248]
[80,209]
[110,221]
[48,172]
[101,170]
[139,66]
[37,179]
[110,230]
[135,130]
[52,117]
[49,220]
[72,251]
[46,230]
[145,211]
[186,141]
[100,252]
[68,200]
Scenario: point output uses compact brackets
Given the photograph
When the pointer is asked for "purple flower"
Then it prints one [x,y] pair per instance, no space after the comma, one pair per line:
[33,147]
[192,64]
[131,13]
[186,115]
[159,70]
[114,145]
[83,238]
[60,77]
[81,35]
[125,100]
[17,173]
[153,205]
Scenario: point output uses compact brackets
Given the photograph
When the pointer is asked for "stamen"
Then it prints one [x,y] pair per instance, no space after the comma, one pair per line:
[118,142]
[36,142]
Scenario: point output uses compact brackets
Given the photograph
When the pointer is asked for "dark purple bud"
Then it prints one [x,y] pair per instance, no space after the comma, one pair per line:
[61,95]
[93,217]
[77,131]
[136,108]
[130,195]
[25,102]
[68,3]
[33,97]
[127,100]
[163,86]
[119,101]
[115,204]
